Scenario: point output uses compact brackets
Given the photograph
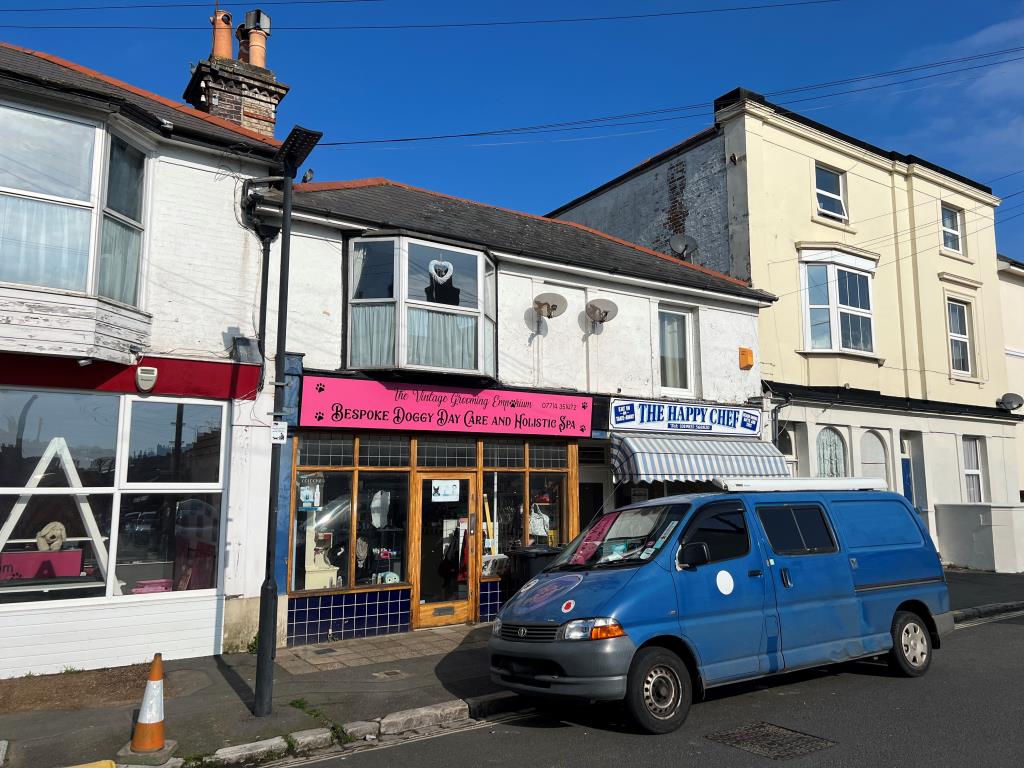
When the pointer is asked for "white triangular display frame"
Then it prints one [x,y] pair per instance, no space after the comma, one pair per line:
[58,448]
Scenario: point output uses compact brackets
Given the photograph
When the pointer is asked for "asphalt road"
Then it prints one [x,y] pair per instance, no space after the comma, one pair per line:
[967,711]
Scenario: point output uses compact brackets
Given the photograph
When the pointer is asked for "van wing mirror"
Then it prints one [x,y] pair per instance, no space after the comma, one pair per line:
[694,554]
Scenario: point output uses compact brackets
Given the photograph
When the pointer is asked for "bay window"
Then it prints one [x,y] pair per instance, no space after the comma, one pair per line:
[838,312]
[71,205]
[417,304]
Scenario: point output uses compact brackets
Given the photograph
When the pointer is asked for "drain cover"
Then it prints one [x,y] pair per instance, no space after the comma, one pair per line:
[772,741]
[324,651]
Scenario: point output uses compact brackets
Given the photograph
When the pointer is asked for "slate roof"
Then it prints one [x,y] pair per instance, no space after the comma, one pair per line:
[390,205]
[23,69]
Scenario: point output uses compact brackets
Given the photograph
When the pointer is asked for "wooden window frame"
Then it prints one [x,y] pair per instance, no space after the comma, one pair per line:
[569,525]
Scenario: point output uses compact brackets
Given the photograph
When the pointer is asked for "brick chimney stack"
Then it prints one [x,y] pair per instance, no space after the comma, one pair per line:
[241,90]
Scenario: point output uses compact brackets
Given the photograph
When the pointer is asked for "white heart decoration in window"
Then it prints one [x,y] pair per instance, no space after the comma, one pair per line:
[441,271]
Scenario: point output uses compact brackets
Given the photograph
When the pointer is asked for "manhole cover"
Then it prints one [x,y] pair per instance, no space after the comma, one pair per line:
[324,651]
[771,741]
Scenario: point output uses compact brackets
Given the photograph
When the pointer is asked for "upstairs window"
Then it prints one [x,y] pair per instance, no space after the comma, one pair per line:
[673,350]
[839,313]
[830,190]
[951,229]
[416,304]
[71,205]
[961,348]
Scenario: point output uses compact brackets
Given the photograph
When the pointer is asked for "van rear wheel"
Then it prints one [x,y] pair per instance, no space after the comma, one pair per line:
[911,653]
[658,690]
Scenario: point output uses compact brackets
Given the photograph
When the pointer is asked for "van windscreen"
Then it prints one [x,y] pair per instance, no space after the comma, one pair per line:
[623,536]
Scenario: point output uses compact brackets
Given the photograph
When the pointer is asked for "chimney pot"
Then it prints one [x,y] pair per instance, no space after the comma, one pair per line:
[222,46]
[258,48]
[243,43]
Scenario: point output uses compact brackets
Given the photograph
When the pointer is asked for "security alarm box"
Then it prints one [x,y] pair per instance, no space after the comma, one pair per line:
[145,377]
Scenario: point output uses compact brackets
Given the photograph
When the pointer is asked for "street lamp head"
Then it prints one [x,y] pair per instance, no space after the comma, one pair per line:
[296,148]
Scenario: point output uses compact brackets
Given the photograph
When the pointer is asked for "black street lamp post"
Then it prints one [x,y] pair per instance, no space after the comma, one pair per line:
[294,150]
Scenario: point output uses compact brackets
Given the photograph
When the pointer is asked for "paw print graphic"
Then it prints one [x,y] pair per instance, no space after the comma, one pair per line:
[320,387]
[319,416]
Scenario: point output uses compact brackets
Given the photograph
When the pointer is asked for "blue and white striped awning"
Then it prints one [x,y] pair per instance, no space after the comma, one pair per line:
[648,458]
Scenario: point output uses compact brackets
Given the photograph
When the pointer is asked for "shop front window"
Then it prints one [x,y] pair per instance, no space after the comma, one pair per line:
[62,504]
[174,443]
[53,546]
[323,521]
[168,542]
[383,510]
[355,526]
[547,508]
[503,519]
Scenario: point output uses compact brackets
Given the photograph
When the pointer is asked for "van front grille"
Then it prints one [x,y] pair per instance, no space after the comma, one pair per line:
[529,633]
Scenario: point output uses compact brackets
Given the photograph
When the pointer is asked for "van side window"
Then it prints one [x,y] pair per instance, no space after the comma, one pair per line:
[723,529]
[797,530]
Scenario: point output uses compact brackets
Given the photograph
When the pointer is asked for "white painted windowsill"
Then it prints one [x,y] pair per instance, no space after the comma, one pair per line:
[966,379]
[955,255]
[842,226]
[866,356]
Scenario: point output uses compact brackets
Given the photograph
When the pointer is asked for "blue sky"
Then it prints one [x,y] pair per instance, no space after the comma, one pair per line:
[377,84]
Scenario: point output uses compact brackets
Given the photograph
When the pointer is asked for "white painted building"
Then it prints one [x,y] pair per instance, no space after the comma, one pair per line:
[132,511]
[445,341]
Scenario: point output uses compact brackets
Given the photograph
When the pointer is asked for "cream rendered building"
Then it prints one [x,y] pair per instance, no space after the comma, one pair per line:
[884,355]
[1011,289]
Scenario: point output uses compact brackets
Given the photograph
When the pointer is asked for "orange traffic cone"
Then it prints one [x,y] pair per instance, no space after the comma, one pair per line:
[149,729]
[148,745]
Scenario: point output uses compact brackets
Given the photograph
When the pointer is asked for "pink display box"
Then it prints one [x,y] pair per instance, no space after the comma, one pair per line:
[145,586]
[40,565]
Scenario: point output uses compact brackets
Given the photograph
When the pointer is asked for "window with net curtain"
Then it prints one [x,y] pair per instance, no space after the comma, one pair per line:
[831,453]
[672,350]
[372,315]
[444,294]
[47,206]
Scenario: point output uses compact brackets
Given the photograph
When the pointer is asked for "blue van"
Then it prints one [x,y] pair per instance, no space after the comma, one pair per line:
[660,600]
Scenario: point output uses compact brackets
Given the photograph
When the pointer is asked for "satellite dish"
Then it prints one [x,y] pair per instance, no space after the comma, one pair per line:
[549,305]
[601,310]
[1011,401]
[683,246]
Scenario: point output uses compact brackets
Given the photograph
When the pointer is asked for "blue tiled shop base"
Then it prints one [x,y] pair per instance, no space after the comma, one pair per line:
[490,600]
[323,618]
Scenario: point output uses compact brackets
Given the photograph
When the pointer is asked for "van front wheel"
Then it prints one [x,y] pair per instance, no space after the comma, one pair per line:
[658,690]
[911,653]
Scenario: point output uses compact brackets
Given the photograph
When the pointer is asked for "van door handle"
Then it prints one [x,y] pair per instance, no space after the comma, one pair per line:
[755,573]
[786,580]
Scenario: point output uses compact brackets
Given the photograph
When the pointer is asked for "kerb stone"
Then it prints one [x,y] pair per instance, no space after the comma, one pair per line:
[360,729]
[251,752]
[314,738]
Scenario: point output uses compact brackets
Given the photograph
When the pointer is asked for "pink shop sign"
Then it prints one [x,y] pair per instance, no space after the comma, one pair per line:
[362,404]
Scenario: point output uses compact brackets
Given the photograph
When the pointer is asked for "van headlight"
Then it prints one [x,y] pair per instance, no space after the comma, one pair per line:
[592,629]
[496,628]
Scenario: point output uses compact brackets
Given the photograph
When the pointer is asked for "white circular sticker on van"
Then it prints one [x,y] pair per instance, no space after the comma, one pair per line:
[724,582]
